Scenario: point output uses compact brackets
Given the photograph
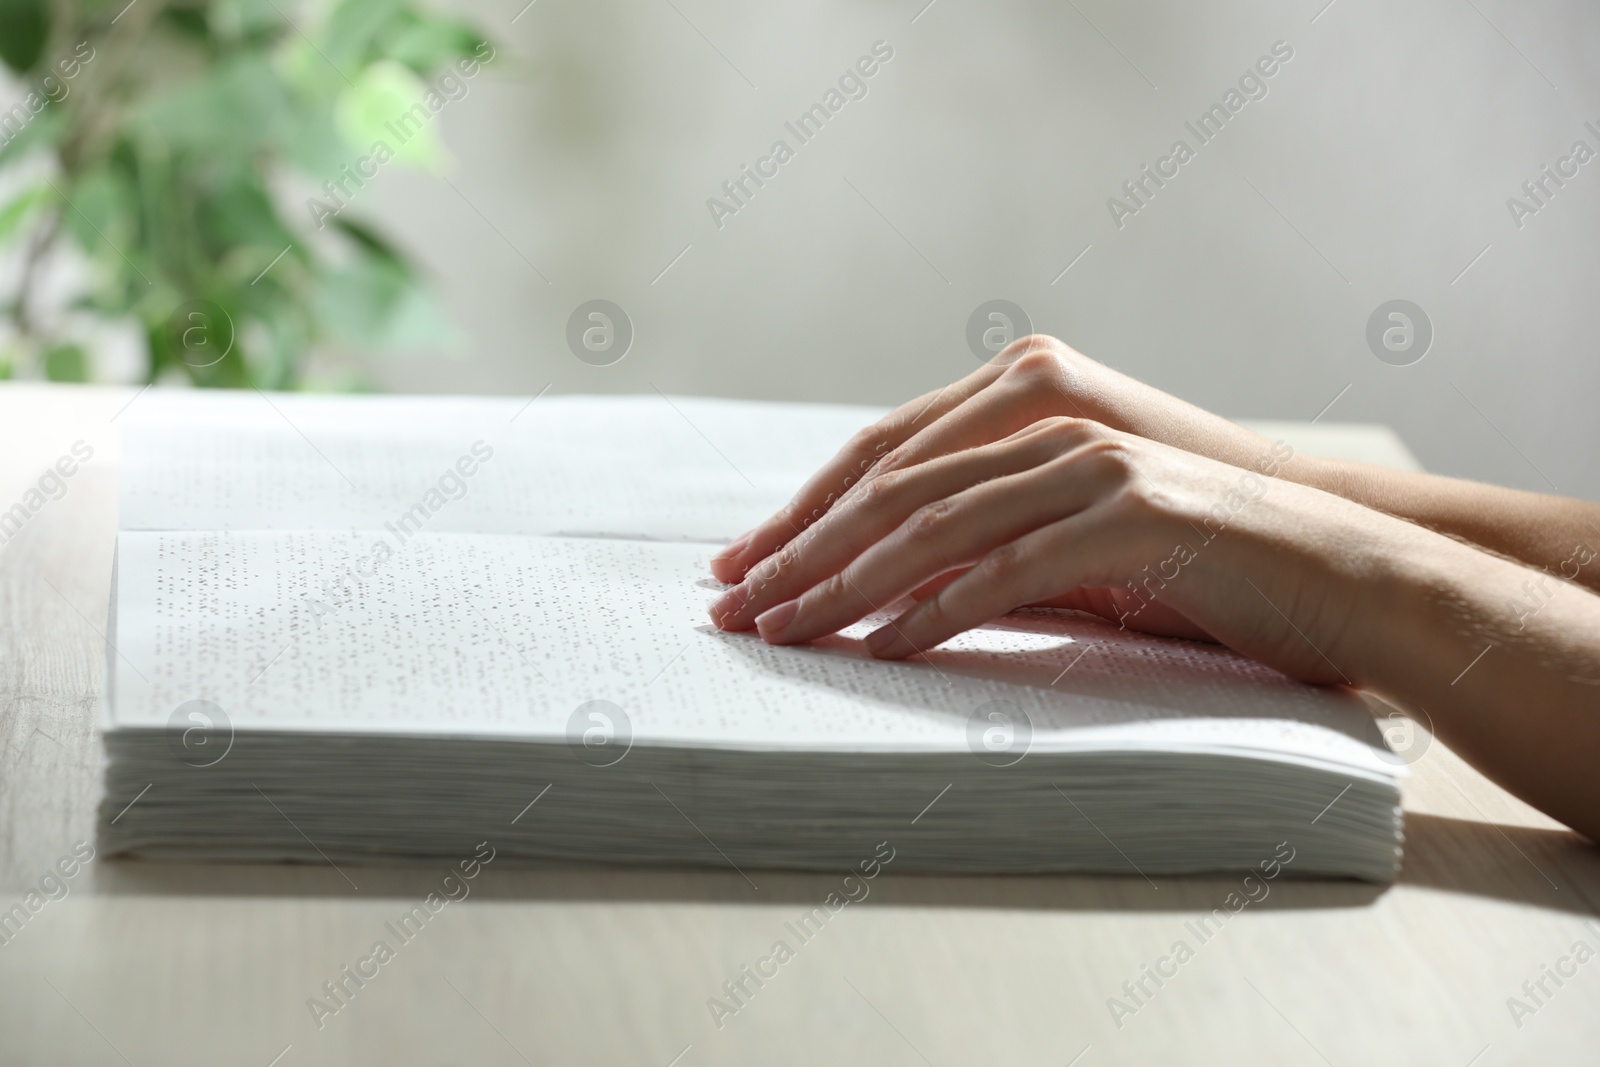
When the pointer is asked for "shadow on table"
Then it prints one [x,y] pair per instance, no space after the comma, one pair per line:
[1544,868]
[1547,868]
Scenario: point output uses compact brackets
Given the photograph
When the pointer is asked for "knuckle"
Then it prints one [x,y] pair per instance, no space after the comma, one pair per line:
[893,459]
[875,487]
[1068,431]
[1003,563]
[1056,424]
[787,557]
[791,519]
[1089,452]
[1109,456]
[1138,501]
[926,520]
[1132,502]
[1034,358]
[933,614]
[865,441]
[1041,361]
[832,589]
[767,571]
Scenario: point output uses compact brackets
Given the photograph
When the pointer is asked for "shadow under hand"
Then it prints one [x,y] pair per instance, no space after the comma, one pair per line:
[1545,868]
[1065,669]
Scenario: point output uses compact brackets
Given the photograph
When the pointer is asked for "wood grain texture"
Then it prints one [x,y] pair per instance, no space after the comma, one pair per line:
[155,964]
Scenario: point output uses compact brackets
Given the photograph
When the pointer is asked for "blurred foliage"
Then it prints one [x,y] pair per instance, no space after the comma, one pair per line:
[159,138]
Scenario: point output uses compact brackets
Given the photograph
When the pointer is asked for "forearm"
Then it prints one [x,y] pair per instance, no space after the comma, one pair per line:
[1558,535]
[1512,686]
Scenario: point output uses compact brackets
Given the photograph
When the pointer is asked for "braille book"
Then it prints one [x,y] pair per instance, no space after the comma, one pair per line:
[378,628]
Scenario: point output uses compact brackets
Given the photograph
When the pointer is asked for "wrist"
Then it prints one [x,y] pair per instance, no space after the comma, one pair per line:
[1421,605]
[1357,585]
[1334,476]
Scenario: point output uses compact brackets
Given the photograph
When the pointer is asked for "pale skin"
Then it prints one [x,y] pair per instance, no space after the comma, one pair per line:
[1047,478]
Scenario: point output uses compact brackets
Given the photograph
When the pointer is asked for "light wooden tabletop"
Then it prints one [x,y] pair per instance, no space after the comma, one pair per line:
[148,964]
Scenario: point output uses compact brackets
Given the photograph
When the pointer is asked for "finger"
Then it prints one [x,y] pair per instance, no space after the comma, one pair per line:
[1025,386]
[825,548]
[1075,551]
[1009,404]
[933,585]
[839,474]
[937,538]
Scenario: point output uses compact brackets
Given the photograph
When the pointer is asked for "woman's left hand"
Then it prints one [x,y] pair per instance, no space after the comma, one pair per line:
[1070,513]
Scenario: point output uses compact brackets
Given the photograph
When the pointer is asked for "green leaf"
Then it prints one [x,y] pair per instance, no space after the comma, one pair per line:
[66,363]
[417,322]
[202,337]
[377,304]
[314,143]
[236,212]
[45,129]
[427,44]
[101,213]
[388,104]
[356,302]
[371,240]
[236,110]
[354,25]
[288,339]
[188,21]
[24,28]
[234,20]
[15,214]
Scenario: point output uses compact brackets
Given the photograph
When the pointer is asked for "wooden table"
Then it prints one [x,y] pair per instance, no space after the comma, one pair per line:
[168,965]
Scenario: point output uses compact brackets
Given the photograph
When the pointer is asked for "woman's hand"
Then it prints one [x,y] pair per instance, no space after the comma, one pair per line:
[1040,377]
[1035,378]
[1069,512]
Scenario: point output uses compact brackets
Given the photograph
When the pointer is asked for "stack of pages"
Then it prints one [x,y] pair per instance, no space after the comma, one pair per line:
[367,628]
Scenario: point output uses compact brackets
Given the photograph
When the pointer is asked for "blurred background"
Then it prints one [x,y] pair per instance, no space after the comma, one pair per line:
[199,198]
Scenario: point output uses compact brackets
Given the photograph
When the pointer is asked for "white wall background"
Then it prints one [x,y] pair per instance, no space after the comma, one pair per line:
[1378,167]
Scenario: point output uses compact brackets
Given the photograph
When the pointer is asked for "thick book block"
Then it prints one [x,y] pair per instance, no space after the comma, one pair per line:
[373,628]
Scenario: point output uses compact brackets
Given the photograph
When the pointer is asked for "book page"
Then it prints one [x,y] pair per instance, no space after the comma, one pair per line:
[509,636]
[648,467]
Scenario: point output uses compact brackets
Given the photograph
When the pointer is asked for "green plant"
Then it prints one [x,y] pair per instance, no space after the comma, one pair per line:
[163,139]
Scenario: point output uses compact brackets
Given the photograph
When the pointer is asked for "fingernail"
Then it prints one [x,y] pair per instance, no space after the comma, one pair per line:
[774,621]
[734,547]
[883,640]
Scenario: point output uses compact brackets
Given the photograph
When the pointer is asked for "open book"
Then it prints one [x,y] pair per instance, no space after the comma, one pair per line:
[380,627]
